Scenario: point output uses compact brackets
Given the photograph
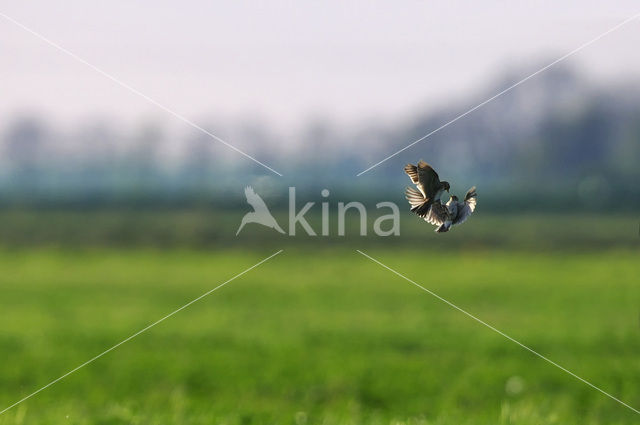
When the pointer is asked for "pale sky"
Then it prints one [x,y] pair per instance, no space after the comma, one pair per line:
[288,61]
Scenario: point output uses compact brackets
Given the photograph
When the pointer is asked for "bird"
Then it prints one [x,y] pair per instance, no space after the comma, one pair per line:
[426,202]
[260,214]
[430,188]
[457,212]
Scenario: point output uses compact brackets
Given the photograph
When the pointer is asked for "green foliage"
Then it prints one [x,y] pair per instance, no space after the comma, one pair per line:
[318,336]
[216,229]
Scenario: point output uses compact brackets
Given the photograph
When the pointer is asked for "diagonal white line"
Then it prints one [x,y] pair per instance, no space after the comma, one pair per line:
[138,333]
[499,332]
[480,105]
[134,91]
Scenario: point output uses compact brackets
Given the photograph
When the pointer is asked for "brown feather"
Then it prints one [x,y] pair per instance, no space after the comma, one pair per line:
[412,172]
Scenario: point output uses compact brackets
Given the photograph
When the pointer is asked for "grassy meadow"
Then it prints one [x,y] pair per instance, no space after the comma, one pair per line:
[320,334]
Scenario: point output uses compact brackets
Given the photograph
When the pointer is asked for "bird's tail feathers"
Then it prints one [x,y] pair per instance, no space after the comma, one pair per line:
[414,196]
[419,204]
[444,227]
[423,209]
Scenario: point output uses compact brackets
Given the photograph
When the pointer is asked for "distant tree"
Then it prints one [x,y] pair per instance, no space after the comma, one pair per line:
[25,142]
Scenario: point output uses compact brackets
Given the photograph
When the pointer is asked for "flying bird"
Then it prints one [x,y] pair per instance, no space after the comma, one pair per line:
[430,188]
[426,201]
[457,212]
[260,214]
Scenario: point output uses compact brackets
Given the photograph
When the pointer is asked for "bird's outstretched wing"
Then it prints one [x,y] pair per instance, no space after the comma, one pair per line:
[433,212]
[466,208]
[412,172]
[254,199]
[424,177]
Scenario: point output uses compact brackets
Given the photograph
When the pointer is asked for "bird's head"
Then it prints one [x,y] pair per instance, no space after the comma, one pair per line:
[445,185]
[454,198]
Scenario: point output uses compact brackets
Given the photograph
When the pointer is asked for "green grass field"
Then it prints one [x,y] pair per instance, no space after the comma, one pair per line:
[319,336]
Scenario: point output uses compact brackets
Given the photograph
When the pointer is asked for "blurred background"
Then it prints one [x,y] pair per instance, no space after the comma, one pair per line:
[112,208]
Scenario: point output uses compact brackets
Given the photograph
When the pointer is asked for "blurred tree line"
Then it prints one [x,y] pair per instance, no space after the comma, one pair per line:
[554,143]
